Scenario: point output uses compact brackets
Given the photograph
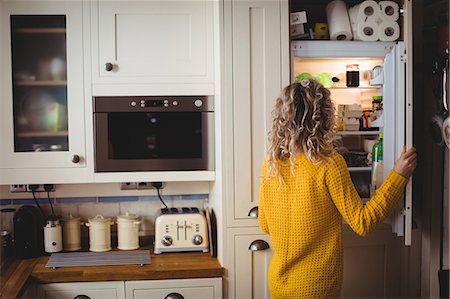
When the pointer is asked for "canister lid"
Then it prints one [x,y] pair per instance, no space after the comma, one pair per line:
[99,219]
[128,217]
[69,218]
[377,98]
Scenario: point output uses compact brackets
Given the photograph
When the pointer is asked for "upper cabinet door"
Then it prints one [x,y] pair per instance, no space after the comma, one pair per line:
[257,81]
[155,46]
[42,90]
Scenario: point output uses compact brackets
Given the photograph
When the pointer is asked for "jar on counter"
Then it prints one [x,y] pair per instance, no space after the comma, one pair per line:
[71,232]
[128,231]
[352,75]
[99,233]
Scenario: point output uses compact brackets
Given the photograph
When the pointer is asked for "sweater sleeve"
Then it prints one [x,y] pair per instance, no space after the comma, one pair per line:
[262,220]
[362,218]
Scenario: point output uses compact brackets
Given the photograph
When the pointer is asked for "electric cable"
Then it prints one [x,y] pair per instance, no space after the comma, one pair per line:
[36,201]
[160,198]
[50,202]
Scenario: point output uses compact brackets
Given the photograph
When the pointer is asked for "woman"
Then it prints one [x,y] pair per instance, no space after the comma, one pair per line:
[306,190]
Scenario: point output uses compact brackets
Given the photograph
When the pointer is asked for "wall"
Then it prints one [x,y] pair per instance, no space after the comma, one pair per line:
[88,200]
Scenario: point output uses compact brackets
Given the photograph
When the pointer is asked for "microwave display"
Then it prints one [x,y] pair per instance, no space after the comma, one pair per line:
[153,133]
[157,135]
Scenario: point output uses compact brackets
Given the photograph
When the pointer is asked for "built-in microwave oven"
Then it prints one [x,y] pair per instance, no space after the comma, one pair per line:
[153,133]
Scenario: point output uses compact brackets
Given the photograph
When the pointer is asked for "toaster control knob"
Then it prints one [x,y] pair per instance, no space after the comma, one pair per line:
[166,241]
[197,239]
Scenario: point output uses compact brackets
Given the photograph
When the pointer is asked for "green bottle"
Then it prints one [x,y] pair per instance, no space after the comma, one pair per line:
[377,163]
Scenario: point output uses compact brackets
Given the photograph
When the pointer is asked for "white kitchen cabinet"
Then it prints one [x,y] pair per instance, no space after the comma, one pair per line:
[197,288]
[153,47]
[42,93]
[257,68]
[82,290]
[251,252]
[372,264]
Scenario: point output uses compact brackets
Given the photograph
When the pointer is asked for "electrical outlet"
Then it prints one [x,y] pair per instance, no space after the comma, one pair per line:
[128,186]
[36,187]
[144,185]
[17,188]
[138,186]
[40,188]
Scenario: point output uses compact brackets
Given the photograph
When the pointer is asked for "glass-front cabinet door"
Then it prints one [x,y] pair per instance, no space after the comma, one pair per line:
[42,89]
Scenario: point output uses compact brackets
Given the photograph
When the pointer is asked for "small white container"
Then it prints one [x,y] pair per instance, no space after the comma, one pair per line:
[99,233]
[71,227]
[128,231]
[53,236]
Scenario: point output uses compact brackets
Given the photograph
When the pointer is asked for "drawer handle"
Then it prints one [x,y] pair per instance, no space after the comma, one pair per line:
[174,296]
[76,159]
[258,245]
[253,212]
[81,297]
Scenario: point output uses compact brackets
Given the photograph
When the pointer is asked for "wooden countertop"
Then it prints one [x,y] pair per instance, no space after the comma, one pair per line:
[15,273]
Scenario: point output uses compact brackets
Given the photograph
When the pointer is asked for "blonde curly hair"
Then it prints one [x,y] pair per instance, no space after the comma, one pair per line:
[303,122]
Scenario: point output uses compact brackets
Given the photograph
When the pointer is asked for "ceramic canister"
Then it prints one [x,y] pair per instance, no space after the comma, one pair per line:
[128,231]
[99,233]
[71,227]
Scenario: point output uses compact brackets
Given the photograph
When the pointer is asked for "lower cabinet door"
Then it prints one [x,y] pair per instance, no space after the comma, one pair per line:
[252,255]
[82,290]
[199,288]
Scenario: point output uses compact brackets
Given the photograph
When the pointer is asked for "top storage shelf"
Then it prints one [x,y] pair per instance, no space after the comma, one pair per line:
[347,20]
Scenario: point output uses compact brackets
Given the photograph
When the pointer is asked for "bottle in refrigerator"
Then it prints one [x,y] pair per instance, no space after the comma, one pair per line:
[377,164]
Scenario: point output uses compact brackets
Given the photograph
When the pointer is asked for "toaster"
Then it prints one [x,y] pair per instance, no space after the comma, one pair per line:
[181,229]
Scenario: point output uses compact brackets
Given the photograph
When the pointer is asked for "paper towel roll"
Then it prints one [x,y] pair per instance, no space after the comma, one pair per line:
[367,31]
[338,21]
[364,12]
[388,31]
[389,11]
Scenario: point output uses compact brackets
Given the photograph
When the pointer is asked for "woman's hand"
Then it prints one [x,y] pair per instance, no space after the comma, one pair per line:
[407,162]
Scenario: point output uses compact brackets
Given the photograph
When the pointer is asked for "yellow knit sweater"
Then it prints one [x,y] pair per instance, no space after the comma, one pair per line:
[304,221]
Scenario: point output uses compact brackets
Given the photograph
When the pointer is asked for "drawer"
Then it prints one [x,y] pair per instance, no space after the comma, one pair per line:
[202,288]
[82,290]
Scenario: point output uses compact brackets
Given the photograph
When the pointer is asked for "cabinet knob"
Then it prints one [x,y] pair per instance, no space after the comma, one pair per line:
[258,245]
[109,66]
[75,159]
[81,297]
[253,212]
[174,296]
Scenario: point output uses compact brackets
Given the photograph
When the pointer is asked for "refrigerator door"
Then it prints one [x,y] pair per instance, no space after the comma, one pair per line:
[397,130]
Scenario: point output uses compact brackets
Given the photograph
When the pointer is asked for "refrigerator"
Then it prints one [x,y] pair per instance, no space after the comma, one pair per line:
[389,59]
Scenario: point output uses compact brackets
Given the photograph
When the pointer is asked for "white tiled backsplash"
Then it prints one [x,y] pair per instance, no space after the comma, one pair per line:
[111,206]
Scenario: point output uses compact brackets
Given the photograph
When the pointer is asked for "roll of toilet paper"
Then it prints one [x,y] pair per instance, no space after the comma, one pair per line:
[364,12]
[338,22]
[366,31]
[389,11]
[388,31]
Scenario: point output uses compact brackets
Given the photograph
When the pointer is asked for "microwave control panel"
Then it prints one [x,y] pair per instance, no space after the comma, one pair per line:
[153,103]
